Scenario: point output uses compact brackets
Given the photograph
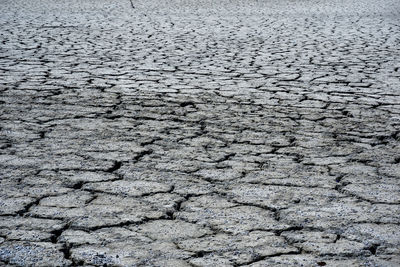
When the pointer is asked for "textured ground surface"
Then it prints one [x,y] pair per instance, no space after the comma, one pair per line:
[196,133]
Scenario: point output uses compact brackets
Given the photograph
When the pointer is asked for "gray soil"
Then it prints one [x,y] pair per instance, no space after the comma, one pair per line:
[200,133]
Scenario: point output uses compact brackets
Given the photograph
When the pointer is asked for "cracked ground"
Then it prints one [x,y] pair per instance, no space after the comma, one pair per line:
[200,133]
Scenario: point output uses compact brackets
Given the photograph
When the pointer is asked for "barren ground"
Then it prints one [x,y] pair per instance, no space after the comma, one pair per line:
[200,133]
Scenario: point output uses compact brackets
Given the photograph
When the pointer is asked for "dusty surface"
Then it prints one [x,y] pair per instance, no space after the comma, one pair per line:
[196,133]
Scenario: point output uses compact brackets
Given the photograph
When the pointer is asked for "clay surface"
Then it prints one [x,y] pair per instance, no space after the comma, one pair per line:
[200,133]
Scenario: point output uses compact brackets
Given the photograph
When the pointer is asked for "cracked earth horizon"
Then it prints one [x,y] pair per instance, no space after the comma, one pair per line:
[200,133]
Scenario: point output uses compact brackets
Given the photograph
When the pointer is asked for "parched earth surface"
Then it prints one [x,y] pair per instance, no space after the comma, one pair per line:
[200,133]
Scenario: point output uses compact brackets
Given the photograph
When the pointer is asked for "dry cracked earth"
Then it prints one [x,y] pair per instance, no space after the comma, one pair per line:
[200,133]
